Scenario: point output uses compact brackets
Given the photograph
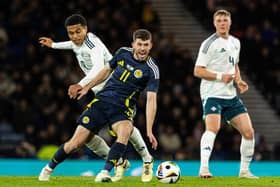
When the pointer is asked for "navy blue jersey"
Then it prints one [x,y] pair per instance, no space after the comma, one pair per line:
[129,78]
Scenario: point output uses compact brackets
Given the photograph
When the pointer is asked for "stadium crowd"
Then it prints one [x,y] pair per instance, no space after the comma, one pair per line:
[36,111]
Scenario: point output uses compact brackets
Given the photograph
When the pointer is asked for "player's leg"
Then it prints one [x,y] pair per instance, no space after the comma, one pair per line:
[243,124]
[75,143]
[122,164]
[139,144]
[98,145]
[123,129]
[212,123]
[212,118]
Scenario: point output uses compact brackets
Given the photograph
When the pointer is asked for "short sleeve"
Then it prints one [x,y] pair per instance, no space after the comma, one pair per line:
[114,61]
[154,77]
[203,56]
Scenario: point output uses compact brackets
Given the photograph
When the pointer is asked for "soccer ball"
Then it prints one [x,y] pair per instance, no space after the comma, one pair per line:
[168,172]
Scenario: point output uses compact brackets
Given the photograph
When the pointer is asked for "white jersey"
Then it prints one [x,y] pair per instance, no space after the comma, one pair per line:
[218,55]
[92,56]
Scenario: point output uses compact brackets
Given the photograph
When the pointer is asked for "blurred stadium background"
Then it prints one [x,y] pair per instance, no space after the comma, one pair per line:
[36,114]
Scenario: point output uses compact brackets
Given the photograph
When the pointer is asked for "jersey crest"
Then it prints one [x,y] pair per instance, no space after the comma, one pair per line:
[138,73]
[85,120]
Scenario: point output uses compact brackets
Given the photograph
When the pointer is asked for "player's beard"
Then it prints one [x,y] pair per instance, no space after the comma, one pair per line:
[141,55]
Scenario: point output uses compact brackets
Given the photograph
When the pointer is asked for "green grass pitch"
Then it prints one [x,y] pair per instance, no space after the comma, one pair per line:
[60,181]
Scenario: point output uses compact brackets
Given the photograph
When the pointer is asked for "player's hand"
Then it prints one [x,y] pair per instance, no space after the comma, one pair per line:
[82,92]
[153,140]
[73,90]
[227,78]
[242,86]
[45,41]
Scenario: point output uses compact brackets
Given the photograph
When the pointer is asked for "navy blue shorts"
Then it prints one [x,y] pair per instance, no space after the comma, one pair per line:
[228,108]
[100,113]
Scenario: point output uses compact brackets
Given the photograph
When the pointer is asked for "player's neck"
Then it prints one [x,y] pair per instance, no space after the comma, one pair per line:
[223,35]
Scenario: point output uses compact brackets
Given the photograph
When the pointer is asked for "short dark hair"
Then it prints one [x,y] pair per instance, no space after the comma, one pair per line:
[75,19]
[142,34]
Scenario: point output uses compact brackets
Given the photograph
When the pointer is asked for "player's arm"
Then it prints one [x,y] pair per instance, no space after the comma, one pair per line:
[242,85]
[100,57]
[45,42]
[48,42]
[205,56]
[151,103]
[151,109]
[100,77]
[203,73]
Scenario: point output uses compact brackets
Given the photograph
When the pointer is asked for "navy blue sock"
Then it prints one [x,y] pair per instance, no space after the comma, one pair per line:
[115,153]
[58,157]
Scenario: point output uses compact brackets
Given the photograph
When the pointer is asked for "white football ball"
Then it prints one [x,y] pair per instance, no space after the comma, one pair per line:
[168,172]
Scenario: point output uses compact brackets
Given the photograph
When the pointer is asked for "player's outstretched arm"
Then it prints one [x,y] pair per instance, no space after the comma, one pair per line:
[100,77]
[45,41]
[73,90]
[151,108]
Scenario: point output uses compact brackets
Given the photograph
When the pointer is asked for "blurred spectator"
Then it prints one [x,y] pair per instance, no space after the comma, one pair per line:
[3,44]
[169,140]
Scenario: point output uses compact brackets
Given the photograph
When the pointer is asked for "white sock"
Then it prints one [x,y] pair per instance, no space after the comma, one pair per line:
[139,145]
[48,167]
[206,147]
[98,146]
[247,152]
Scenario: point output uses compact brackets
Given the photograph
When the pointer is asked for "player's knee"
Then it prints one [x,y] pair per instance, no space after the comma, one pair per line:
[123,135]
[126,132]
[213,129]
[249,134]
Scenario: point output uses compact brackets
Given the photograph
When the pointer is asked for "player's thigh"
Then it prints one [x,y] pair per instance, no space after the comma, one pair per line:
[93,118]
[213,122]
[212,109]
[236,113]
[243,124]
[119,115]
[232,108]
[123,129]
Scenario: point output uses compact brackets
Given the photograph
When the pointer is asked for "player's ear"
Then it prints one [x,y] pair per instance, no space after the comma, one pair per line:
[214,23]
[151,45]
[86,29]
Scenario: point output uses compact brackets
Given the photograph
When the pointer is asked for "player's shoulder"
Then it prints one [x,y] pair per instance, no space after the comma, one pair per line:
[151,62]
[235,39]
[92,36]
[208,42]
[123,50]
[92,39]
